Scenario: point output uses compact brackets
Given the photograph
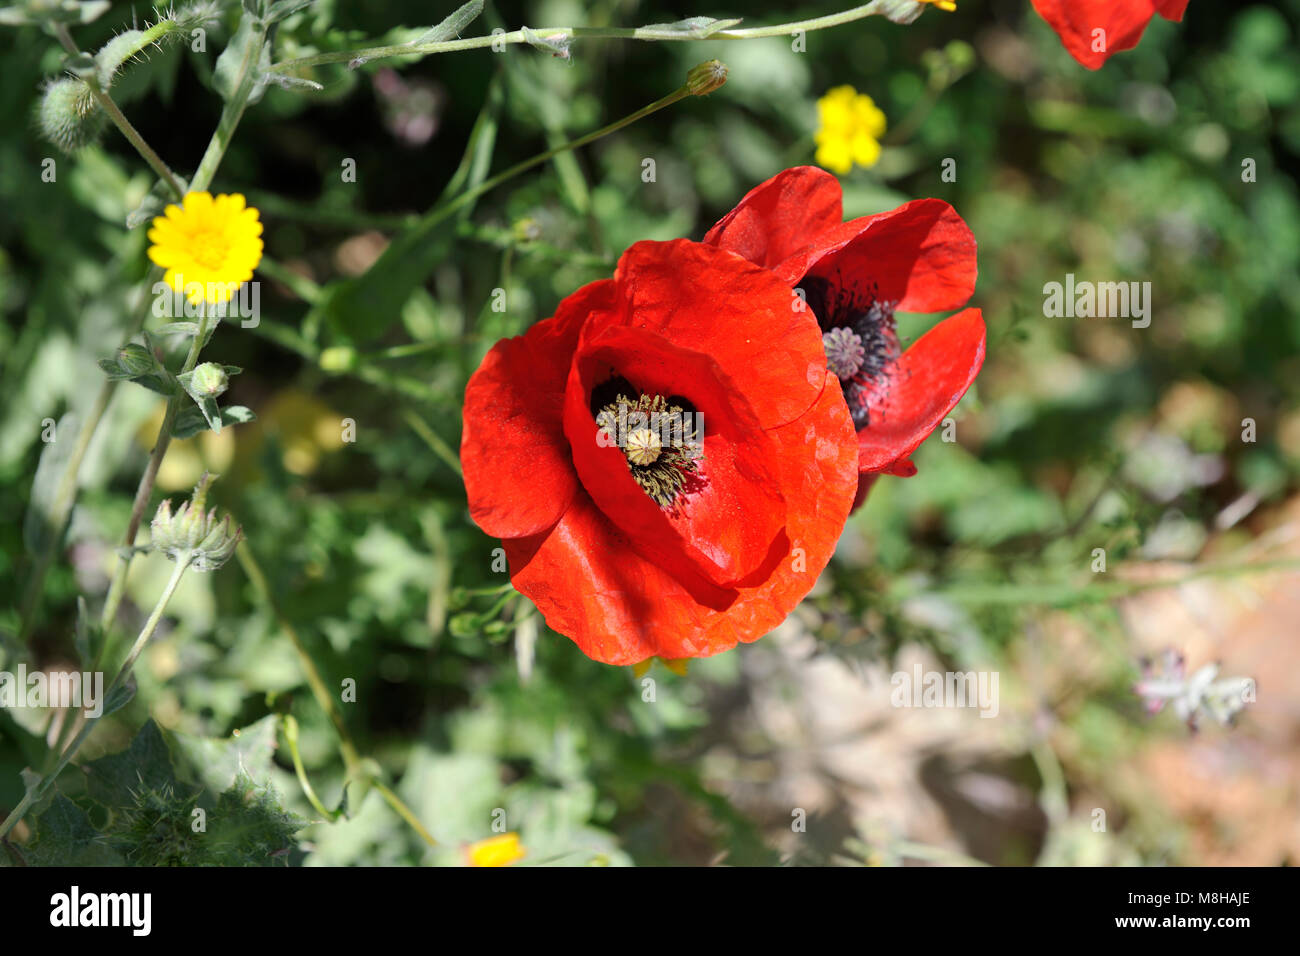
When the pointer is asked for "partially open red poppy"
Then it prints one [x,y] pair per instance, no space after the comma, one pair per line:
[1094,29]
[854,275]
[667,459]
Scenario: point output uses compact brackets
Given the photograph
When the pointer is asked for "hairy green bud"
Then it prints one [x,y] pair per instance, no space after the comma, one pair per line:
[68,115]
[210,379]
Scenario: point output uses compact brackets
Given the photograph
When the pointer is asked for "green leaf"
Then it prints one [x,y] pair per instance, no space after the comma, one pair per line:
[286,82]
[119,697]
[362,308]
[177,328]
[217,763]
[450,28]
[38,523]
[66,837]
[145,764]
[247,50]
[191,420]
[86,636]
[697,28]
[556,45]
[283,9]
[155,202]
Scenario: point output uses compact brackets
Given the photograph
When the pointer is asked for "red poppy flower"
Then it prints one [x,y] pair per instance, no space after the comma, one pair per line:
[1121,23]
[854,275]
[667,459]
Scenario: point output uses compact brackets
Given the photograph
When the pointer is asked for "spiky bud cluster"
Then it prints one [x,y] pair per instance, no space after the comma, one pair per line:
[193,534]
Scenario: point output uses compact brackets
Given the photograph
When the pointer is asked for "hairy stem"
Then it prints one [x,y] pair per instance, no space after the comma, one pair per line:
[577,33]
[119,119]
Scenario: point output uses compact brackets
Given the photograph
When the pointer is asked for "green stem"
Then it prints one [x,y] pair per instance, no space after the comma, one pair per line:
[432,439]
[64,497]
[403,811]
[354,766]
[231,114]
[119,119]
[577,33]
[144,491]
[351,757]
[37,791]
[67,495]
[289,724]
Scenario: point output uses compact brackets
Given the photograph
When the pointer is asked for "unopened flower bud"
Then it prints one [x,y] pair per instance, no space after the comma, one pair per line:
[68,115]
[136,359]
[190,534]
[338,358]
[210,379]
[706,77]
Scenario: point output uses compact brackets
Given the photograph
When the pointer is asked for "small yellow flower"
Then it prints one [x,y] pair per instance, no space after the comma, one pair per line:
[496,851]
[209,246]
[851,127]
[948,5]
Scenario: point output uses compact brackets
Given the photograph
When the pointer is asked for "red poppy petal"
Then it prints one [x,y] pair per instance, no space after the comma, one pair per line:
[920,389]
[727,527]
[1123,21]
[620,608]
[519,476]
[707,300]
[866,481]
[920,256]
[780,216]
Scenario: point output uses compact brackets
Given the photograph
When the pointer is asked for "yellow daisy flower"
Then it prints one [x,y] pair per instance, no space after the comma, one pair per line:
[850,131]
[496,851]
[208,245]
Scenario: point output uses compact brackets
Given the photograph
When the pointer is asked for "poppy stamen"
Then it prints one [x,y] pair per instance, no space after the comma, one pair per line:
[660,442]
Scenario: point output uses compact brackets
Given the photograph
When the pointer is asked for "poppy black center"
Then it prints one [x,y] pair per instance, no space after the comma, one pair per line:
[660,437]
[859,336]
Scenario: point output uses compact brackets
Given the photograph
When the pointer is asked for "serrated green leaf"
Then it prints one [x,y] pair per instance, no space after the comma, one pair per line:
[216,763]
[146,763]
[66,837]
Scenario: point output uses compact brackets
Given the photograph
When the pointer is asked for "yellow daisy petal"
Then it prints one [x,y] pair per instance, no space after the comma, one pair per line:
[209,245]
